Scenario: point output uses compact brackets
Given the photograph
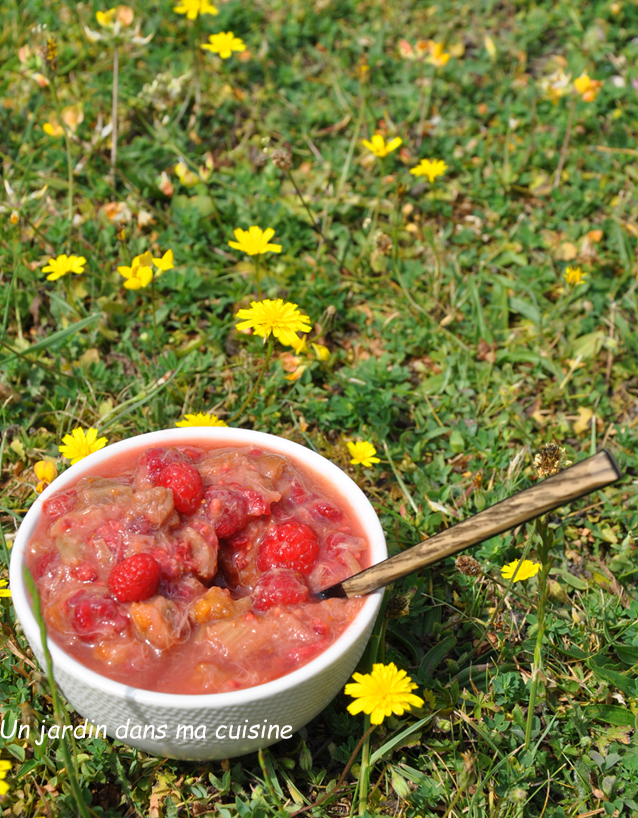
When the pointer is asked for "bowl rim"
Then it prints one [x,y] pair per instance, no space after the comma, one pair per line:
[66,663]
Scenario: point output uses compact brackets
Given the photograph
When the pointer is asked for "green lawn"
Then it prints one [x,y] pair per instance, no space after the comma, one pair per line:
[459,346]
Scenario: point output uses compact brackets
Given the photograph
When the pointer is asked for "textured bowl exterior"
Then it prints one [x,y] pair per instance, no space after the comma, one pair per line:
[218,725]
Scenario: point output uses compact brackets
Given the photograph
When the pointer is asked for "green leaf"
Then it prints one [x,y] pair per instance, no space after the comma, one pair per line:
[525,309]
[588,346]
[29,765]
[613,677]
[436,655]
[610,714]
[570,579]
[457,444]
[627,654]
[55,338]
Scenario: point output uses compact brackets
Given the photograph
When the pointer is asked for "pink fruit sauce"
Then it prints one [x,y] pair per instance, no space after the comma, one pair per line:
[188,570]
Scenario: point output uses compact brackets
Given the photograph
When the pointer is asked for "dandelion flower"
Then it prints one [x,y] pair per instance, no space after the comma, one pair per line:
[165,262]
[193,8]
[574,275]
[362,453]
[527,569]
[430,168]
[380,147]
[279,318]
[201,419]
[385,691]
[78,445]
[298,344]
[587,87]
[139,274]
[64,264]
[254,241]
[224,44]
[3,592]
[46,473]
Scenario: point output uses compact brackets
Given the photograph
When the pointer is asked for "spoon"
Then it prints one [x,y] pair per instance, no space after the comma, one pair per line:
[590,474]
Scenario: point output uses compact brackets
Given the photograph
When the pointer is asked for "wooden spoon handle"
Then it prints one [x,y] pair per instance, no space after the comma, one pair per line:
[593,473]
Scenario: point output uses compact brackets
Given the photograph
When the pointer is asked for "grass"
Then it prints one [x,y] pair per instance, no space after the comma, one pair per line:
[457,348]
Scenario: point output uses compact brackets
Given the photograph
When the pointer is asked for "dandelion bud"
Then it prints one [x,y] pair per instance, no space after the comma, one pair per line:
[469,566]
[282,158]
[51,54]
[550,460]
[397,607]
[382,243]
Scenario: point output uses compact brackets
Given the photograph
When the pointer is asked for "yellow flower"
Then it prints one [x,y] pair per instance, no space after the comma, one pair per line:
[122,15]
[78,445]
[587,87]
[165,262]
[254,241]
[294,376]
[224,44]
[574,275]
[191,8]
[201,419]
[46,473]
[186,176]
[556,85]
[299,344]
[3,592]
[322,352]
[380,147]
[281,318]
[385,691]
[5,766]
[362,453]
[430,168]
[490,47]
[53,128]
[528,569]
[139,274]
[64,264]
[106,18]
[437,56]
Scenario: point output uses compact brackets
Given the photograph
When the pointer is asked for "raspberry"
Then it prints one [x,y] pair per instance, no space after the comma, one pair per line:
[56,506]
[135,579]
[154,460]
[85,572]
[228,509]
[44,564]
[96,616]
[111,532]
[186,484]
[279,586]
[327,511]
[289,545]
[138,525]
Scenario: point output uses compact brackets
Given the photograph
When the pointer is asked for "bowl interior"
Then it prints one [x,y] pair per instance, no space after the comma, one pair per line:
[98,464]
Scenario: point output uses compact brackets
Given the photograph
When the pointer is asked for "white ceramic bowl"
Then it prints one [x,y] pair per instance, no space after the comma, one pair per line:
[258,714]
